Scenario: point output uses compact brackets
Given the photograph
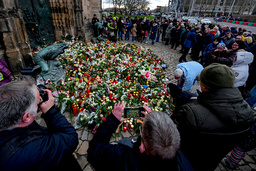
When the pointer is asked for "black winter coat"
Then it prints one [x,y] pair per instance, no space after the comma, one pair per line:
[105,156]
[50,149]
[212,126]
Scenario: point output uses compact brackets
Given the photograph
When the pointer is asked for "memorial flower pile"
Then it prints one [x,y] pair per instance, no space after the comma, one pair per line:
[98,75]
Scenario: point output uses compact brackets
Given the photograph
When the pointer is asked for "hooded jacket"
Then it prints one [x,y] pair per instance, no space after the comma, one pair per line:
[241,67]
[212,126]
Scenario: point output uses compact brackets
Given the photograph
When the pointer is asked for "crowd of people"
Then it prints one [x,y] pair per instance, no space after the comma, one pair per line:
[227,54]
[213,111]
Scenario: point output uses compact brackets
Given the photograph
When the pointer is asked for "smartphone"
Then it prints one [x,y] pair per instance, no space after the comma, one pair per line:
[133,112]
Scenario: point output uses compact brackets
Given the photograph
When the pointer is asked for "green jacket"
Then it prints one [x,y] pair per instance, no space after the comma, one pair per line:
[111,28]
[211,126]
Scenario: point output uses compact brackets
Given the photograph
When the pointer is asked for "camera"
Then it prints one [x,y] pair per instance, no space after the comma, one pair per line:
[33,71]
[133,112]
[42,93]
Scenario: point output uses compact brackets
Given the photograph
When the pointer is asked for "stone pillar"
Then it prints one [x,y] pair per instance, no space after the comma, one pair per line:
[15,39]
[91,7]
[79,20]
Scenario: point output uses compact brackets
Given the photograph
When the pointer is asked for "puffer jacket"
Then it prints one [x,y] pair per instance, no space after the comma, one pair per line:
[212,126]
[241,67]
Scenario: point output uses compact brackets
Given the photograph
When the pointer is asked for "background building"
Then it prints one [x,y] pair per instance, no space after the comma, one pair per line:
[218,7]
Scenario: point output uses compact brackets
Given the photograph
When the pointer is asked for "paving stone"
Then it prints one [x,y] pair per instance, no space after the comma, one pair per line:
[84,135]
[79,144]
[248,159]
[241,162]
[251,153]
[125,134]
[221,167]
[79,133]
[67,115]
[217,169]
[245,168]
[253,166]
[82,160]
[90,136]
[75,155]
[83,148]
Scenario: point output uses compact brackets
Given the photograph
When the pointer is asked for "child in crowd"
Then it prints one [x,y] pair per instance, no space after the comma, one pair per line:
[134,32]
[238,153]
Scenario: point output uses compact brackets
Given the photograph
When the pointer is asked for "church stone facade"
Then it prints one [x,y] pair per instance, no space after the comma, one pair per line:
[22,25]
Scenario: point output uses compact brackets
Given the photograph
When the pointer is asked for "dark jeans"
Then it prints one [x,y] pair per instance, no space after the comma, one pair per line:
[184,54]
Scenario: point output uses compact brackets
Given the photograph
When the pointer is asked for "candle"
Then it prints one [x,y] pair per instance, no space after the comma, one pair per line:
[125,128]
[131,128]
[74,110]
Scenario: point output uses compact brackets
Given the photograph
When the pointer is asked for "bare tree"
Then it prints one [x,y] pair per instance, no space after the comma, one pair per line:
[119,3]
[132,5]
[143,4]
[114,2]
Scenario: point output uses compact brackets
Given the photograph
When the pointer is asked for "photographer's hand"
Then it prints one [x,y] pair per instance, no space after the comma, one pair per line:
[45,106]
[147,109]
[118,110]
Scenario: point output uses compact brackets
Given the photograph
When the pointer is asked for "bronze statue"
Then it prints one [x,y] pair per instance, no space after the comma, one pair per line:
[49,65]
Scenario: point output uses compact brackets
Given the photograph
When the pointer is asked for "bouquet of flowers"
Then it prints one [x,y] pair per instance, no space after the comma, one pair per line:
[98,75]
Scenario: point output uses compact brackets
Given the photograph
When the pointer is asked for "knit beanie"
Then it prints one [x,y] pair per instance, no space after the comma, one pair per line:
[217,76]
[221,45]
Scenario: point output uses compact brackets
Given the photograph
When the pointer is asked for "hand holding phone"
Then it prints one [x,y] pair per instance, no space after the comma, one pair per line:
[133,112]
[118,110]
[147,110]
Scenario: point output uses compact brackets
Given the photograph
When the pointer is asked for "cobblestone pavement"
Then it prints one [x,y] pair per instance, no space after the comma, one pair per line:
[171,57]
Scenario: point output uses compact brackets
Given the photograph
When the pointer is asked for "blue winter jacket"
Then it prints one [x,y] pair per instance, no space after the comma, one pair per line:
[154,31]
[191,70]
[191,39]
[48,149]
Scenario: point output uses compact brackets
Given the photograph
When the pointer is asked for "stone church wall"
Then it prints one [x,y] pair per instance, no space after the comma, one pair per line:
[71,17]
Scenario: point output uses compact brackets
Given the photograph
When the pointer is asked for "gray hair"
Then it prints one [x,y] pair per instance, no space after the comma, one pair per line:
[16,99]
[160,135]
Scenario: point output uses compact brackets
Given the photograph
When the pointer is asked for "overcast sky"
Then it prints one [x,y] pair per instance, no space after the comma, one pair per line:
[153,3]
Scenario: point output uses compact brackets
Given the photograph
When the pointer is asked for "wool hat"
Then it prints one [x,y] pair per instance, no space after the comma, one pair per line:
[178,73]
[221,45]
[217,76]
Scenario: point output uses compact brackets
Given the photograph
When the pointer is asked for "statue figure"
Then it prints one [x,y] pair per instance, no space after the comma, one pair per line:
[99,27]
[49,65]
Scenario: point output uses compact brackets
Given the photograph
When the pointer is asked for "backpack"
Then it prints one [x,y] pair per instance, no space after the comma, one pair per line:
[4,69]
